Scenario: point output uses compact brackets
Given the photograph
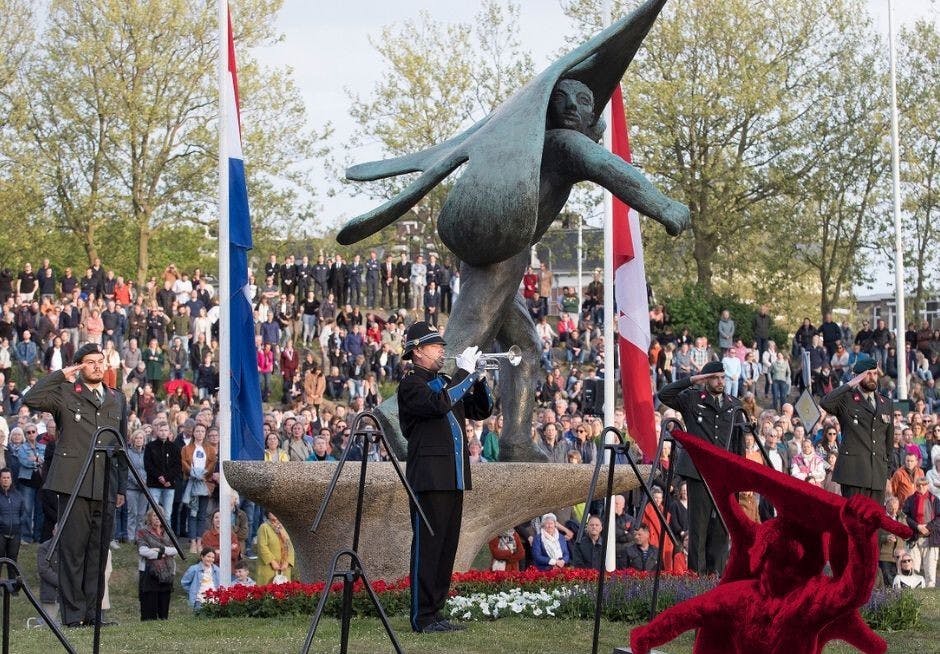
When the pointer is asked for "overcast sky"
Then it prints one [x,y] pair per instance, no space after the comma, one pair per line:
[327,45]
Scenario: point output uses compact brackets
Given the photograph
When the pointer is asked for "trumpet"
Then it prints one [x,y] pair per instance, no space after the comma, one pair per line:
[491,361]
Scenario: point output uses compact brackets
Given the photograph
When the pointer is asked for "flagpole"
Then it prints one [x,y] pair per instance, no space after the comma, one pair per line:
[896,186]
[609,315]
[225,313]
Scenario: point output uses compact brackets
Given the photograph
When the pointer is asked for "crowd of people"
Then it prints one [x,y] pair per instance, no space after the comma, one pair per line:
[332,334]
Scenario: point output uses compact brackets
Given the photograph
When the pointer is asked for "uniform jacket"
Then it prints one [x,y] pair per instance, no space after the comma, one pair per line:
[432,411]
[78,417]
[867,437]
[702,418]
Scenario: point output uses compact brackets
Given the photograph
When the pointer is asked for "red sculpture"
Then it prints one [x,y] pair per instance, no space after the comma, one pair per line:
[774,597]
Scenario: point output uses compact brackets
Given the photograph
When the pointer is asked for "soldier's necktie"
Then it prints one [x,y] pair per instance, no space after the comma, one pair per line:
[99,398]
[871,401]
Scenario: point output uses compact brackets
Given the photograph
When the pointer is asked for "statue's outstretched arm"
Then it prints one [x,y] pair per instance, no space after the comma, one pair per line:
[369,223]
[592,162]
[693,613]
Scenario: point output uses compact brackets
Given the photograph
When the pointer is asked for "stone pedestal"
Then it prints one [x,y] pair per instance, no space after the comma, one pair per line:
[503,495]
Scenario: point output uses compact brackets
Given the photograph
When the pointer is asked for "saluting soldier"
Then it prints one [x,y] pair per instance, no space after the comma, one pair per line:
[866,419]
[708,413]
[81,404]
[432,410]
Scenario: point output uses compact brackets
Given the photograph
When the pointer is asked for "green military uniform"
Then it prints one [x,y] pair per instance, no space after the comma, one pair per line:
[78,415]
[867,428]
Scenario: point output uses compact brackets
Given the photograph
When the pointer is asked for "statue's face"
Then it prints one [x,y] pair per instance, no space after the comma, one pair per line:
[571,106]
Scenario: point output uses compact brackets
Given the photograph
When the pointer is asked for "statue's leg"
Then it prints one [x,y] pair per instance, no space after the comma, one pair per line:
[517,384]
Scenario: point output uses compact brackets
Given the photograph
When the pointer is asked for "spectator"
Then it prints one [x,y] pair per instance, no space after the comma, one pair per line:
[198,460]
[163,466]
[906,577]
[275,552]
[153,360]
[624,531]
[29,480]
[507,551]
[545,288]
[904,478]
[156,569]
[641,555]
[726,329]
[808,465]
[241,574]
[12,517]
[135,500]
[550,547]
[211,538]
[890,546]
[201,577]
[588,553]
[922,510]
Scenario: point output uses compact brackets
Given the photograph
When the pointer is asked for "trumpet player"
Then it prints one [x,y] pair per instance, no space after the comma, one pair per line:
[432,411]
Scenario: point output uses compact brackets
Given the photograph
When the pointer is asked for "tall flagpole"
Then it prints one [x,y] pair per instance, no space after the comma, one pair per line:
[225,313]
[610,347]
[896,183]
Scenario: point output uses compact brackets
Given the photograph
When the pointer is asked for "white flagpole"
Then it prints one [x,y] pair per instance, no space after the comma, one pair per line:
[896,186]
[610,347]
[225,317]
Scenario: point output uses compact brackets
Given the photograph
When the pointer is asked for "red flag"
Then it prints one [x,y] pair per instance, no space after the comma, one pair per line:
[633,310]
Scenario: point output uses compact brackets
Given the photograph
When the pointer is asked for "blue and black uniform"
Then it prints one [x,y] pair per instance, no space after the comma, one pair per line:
[432,411]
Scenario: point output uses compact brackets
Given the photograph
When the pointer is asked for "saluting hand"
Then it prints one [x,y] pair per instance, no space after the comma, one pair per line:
[698,379]
[71,371]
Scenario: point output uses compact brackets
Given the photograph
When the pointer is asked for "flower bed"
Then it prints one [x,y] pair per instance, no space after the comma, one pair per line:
[487,595]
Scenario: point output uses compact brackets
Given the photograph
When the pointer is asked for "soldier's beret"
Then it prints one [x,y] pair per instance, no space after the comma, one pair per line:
[85,350]
[712,367]
[864,365]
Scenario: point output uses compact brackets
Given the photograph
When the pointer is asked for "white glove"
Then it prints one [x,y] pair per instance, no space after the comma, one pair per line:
[467,360]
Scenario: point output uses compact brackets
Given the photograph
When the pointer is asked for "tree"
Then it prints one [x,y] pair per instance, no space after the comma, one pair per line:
[123,119]
[718,97]
[440,79]
[919,67]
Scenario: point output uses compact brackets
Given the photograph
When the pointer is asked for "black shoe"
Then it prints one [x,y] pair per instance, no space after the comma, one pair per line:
[454,626]
[436,627]
[75,625]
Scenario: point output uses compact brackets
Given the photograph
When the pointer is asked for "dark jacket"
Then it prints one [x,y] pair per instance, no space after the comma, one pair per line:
[162,459]
[432,411]
[78,418]
[932,511]
[587,554]
[540,557]
[12,512]
[637,561]
[867,437]
[702,418]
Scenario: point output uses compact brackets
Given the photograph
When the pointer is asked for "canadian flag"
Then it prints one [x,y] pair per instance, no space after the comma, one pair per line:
[633,309]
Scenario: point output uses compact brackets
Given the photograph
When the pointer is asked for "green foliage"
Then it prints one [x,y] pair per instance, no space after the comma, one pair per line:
[892,610]
[700,312]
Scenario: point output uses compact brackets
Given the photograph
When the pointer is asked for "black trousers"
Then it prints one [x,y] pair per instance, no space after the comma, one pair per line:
[877,495]
[432,557]
[78,557]
[387,292]
[10,548]
[404,295]
[154,598]
[372,287]
[708,541]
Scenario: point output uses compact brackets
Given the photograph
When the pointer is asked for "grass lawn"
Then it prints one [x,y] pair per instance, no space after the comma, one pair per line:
[186,633]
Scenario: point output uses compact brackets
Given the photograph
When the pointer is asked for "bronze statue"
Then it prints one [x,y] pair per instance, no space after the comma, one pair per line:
[520,164]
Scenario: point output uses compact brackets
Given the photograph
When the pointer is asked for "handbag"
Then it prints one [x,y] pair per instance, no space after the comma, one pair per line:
[498,565]
[279,579]
[161,570]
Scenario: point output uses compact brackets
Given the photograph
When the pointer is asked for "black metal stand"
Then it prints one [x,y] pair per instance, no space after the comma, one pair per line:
[370,434]
[12,586]
[621,447]
[110,452]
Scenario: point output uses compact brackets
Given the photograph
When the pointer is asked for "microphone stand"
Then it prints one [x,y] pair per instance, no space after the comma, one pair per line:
[11,586]
[369,434]
[620,447]
[117,448]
